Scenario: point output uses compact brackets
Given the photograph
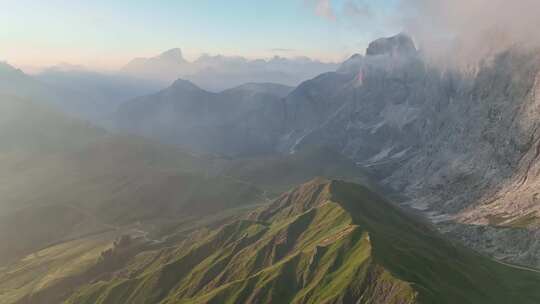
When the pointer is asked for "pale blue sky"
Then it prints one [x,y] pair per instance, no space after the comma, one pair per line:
[107,34]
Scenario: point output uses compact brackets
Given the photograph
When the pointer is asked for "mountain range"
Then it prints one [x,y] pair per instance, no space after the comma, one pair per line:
[79,92]
[387,179]
[238,121]
[218,73]
[455,143]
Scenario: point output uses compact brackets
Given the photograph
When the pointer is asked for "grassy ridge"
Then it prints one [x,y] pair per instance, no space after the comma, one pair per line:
[50,268]
[323,242]
[442,272]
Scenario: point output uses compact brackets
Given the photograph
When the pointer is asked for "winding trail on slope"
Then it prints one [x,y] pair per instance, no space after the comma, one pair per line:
[517,266]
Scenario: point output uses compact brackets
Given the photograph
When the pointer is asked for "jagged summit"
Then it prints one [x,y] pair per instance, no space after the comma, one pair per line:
[7,68]
[183,84]
[353,64]
[398,47]
[174,54]
[400,44]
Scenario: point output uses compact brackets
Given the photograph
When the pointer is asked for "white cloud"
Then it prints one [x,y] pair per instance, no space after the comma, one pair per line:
[323,8]
[471,29]
[451,29]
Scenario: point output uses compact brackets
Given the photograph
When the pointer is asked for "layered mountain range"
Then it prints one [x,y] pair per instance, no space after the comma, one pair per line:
[325,192]
[218,73]
[74,90]
[241,121]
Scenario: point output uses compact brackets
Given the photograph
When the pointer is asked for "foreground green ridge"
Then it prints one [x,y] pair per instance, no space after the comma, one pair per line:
[323,242]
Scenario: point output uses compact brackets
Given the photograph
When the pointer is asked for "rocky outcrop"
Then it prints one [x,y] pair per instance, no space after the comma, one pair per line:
[477,139]
[514,202]
[367,108]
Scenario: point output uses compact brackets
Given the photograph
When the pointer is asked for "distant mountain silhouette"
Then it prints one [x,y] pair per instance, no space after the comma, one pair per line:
[217,73]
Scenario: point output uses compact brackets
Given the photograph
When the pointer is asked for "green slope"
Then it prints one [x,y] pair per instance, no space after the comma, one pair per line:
[53,272]
[323,242]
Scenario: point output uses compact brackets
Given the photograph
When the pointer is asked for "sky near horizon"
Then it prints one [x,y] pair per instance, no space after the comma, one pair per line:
[107,34]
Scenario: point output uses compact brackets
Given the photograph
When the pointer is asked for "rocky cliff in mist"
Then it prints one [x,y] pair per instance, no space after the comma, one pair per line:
[459,145]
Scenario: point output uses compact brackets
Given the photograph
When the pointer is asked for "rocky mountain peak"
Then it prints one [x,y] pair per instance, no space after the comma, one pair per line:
[186,85]
[7,68]
[352,65]
[173,55]
[400,44]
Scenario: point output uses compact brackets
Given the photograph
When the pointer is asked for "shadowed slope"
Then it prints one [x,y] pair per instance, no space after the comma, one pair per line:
[278,173]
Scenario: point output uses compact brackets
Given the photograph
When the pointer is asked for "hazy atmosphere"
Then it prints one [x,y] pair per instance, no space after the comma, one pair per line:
[270,152]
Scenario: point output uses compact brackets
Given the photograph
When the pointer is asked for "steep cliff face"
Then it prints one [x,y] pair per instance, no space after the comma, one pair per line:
[479,137]
[504,219]
[515,201]
[367,109]
[460,146]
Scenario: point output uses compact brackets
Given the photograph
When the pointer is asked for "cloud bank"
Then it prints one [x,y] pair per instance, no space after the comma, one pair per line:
[471,28]
[465,29]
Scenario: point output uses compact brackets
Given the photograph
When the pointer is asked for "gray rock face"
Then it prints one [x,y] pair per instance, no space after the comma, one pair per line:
[443,138]
[172,55]
[458,146]
[375,108]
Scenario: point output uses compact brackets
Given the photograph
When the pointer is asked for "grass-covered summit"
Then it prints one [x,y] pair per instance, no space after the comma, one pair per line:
[323,242]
